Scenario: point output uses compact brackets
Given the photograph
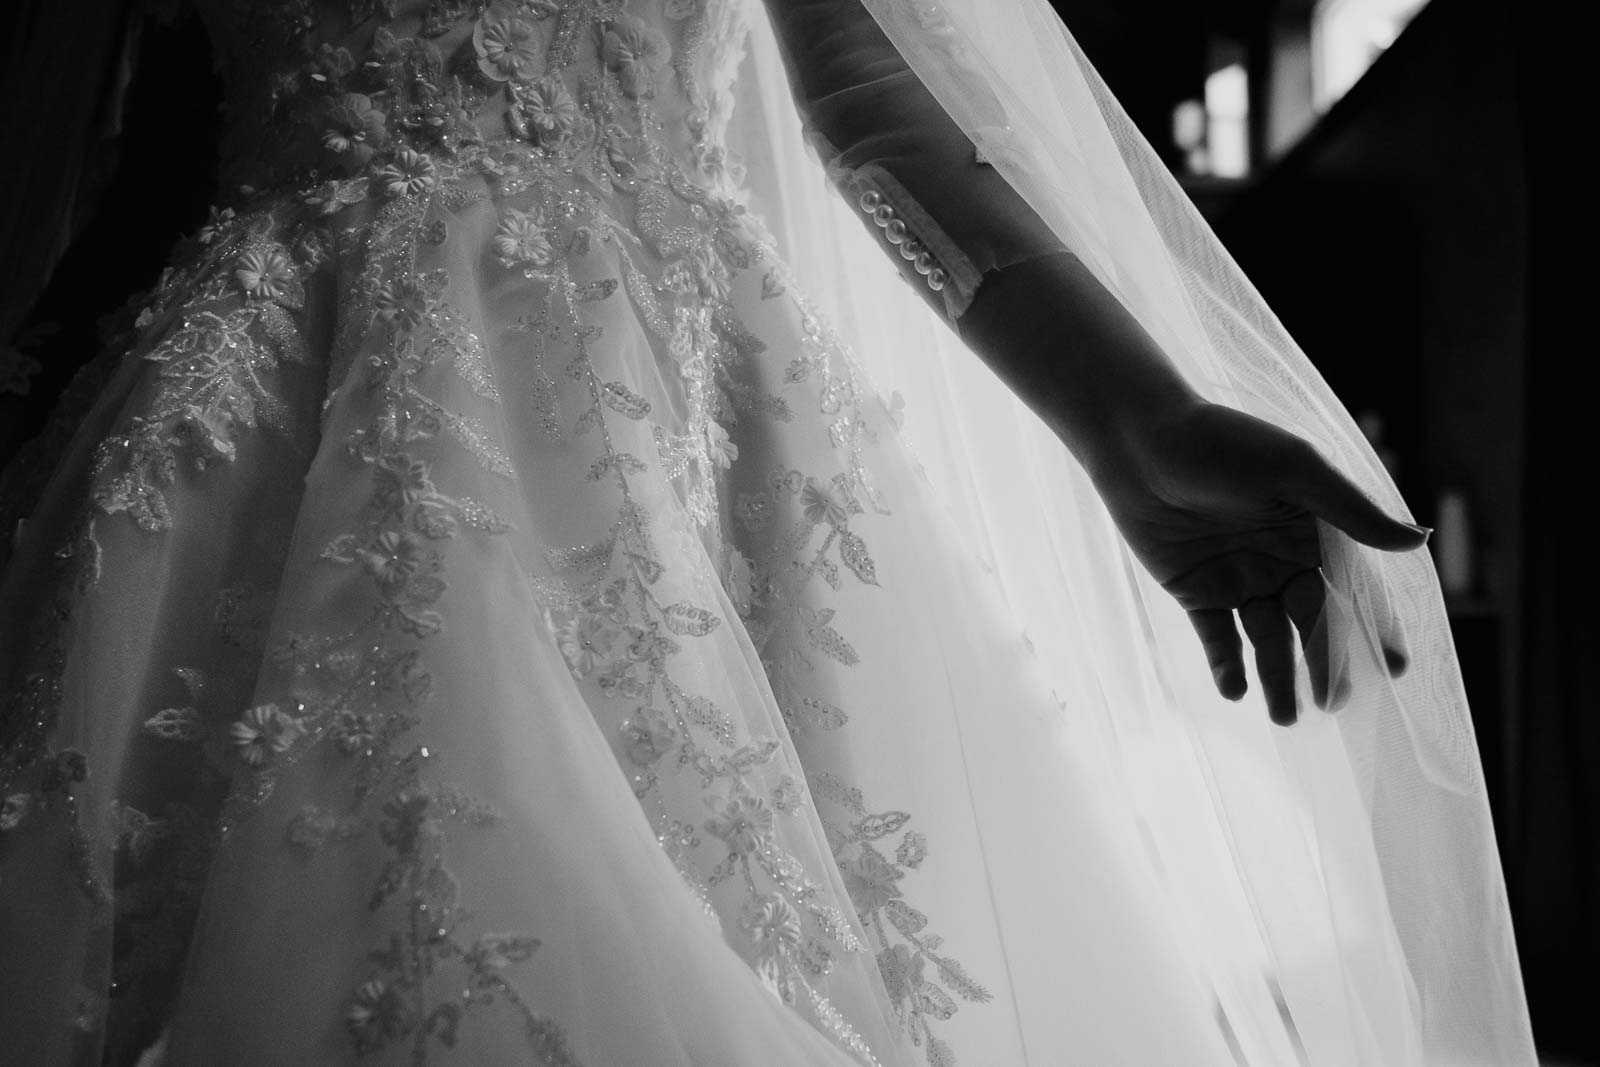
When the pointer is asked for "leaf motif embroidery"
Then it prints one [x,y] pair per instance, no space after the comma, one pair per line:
[875,826]
[689,621]
[823,715]
[476,440]
[341,549]
[827,640]
[589,292]
[853,551]
[621,462]
[956,977]
[908,920]
[176,724]
[625,401]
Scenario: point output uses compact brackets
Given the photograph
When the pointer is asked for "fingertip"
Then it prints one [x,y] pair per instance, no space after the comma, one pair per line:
[1396,660]
[1230,682]
[1415,536]
[1283,715]
[1338,501]
[1399,536]
[1341,695]
[1319,686]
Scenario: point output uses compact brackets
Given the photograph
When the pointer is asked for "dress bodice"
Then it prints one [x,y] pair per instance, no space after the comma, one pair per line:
[403,91]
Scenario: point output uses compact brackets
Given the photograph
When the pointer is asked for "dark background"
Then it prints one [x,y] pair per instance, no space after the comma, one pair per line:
[1419,240]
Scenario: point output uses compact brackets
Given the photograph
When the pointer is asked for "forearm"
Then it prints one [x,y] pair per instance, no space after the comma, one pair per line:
[1076,356]
[1027,306]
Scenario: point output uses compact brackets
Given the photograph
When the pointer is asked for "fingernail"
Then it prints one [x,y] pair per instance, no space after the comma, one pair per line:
[1425,531]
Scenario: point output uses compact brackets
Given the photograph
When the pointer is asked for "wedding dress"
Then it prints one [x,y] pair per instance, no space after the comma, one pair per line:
[540,589]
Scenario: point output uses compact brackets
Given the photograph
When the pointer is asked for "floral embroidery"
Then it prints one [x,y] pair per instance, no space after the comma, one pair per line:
[355,129]
[905,947]
[369,692]
[410,173]
[543,112]
[616,632]
[265,274]
[263,732]
[634,52]
[521,240]
[220,371]
[397,132]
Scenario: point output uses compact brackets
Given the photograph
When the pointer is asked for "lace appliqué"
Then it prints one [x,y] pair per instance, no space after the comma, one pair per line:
[220,366]
[777,598]
[618,631]
[906,947]
[397,128]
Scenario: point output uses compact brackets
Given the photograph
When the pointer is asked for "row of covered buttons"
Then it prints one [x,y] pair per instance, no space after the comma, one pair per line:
[894,229]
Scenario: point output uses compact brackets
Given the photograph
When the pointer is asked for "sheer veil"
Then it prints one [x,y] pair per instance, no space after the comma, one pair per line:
[1332,891]
[1376,910]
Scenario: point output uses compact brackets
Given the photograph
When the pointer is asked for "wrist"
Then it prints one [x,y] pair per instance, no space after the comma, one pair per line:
[1077,357]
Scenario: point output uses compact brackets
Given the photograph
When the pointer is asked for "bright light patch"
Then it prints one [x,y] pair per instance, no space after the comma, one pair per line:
[1347,37]
[1228,121]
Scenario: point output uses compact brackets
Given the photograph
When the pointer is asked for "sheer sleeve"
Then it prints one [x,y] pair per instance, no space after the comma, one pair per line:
[898,155]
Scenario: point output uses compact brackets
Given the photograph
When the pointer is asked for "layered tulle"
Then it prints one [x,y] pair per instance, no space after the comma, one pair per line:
[499,619]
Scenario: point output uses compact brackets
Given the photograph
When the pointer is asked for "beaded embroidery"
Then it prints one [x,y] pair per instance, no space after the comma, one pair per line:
[588,128]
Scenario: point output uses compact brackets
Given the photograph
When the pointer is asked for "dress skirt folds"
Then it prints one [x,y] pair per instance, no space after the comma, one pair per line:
[490,615]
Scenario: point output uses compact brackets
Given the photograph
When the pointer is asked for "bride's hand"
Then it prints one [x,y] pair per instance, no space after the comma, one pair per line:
[1222,508]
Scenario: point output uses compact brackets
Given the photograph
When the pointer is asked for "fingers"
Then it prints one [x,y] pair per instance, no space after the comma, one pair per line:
[1391,635]
[1224,651]
[1395,654]
[1268,629]
[1303,600]
[1336,500]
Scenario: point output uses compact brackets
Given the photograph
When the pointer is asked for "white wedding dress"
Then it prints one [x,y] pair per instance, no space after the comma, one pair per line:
[539,589]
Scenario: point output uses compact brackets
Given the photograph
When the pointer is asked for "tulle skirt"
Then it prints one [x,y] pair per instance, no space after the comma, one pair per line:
[442,646]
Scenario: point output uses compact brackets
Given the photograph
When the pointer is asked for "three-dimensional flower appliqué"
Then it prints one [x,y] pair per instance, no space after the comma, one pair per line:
[871,881]
[635,52]
[744,822]
[330,65]
[402,302]
[409,173]
[508,49]
[821,504]
[265,274]
[263,732]
[648,738]
[394,556]
[218,222]
[543,111]
[330,197]
[520,240]
[400,481]
[588,642]
[720,447]
[773,924]
[356,128]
